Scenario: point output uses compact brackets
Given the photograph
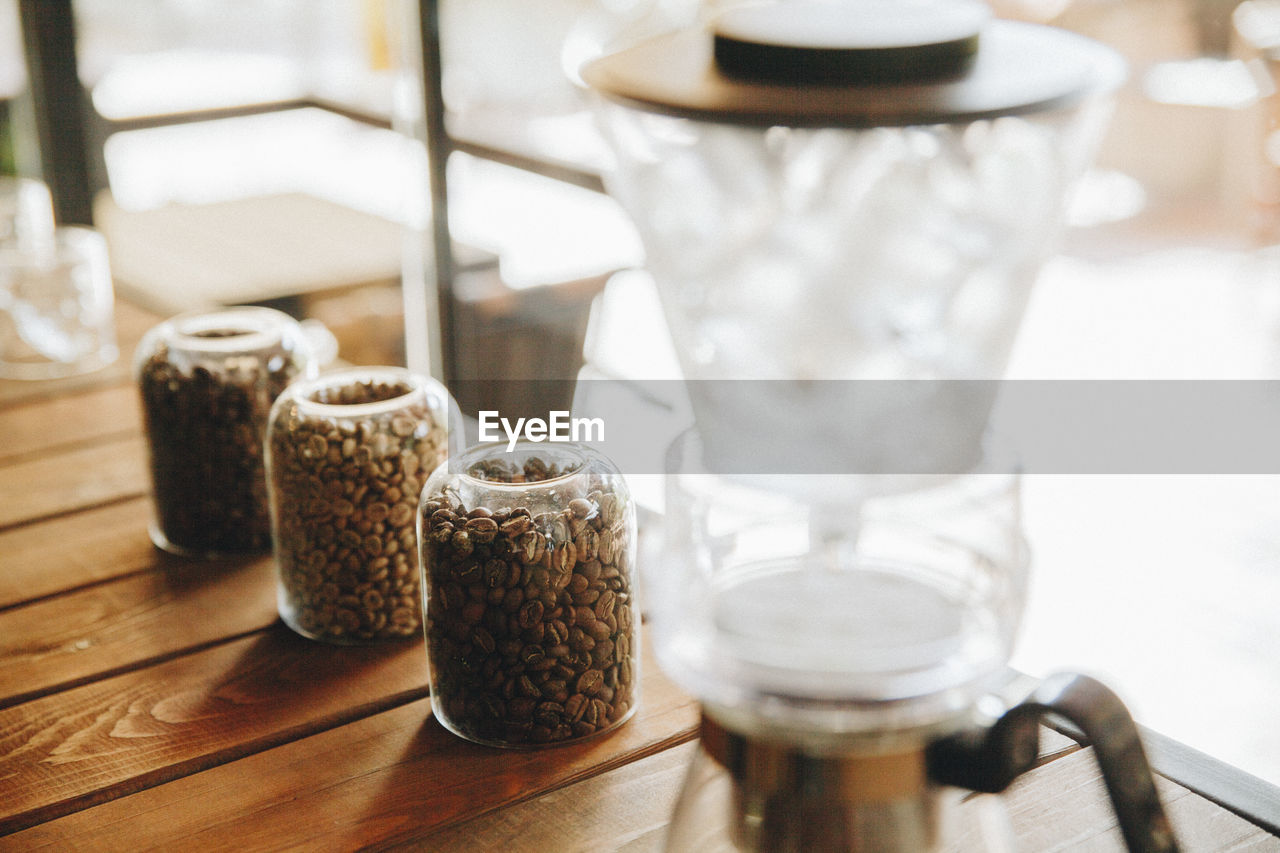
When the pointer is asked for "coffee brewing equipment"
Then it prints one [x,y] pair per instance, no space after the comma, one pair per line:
[834,196]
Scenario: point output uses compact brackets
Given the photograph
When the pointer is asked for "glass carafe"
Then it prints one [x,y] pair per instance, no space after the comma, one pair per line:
[826,665]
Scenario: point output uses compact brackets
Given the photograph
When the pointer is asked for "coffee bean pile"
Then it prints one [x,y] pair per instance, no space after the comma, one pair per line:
[346,494]
[206,431]
[531,632]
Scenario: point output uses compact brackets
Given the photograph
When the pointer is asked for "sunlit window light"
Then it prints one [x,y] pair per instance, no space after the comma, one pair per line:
[1202,82]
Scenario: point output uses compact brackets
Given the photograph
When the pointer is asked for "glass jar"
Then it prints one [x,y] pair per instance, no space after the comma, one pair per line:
[346,454]
[207,382]
[527,561]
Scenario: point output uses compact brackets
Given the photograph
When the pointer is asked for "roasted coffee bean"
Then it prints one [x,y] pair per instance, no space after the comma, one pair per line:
[605,604]
[553,688]
[590,682]
[608,509]
[563,557]
[531,613]
[556,632]
[531,546]
[354,526]
[482,529]
[574,707]
[516,525]
[545,606]
[604,652]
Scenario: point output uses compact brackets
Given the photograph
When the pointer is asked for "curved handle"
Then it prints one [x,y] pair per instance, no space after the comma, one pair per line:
[990,759]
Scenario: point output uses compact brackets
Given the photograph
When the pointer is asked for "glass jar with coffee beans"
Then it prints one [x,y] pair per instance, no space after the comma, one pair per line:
[207,382]
[532,623]
[346,456]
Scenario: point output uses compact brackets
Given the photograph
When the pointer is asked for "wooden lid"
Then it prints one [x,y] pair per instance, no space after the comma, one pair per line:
[1013,69]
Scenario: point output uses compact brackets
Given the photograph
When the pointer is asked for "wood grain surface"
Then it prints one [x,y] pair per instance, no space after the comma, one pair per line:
[70,551]
[83,477]
[42,426]
[112,627]
[93,743]
[395,776]
[627,809]
[1061,806]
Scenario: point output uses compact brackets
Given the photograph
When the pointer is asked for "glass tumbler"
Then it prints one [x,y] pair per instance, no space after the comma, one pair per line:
[532,624]
[207,382]
[346,456]
[57,304]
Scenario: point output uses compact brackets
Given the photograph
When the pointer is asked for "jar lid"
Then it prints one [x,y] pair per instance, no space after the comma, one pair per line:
[874,63]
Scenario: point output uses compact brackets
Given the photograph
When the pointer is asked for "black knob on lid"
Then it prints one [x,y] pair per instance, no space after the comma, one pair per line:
[870,41]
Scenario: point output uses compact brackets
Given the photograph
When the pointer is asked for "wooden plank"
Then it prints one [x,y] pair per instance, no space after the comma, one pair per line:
[94,743]
[48,557]
[1215,780]
[385,779]
[1064,806]
[125,624]
[627,809]
[624,810]
[1054,745]
[40,426]
[78,479]
[1060,806]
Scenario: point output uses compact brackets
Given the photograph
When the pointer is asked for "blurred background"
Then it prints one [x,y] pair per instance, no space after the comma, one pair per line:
[271,152]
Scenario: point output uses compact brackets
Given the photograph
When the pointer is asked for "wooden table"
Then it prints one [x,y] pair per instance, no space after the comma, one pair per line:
[149,702]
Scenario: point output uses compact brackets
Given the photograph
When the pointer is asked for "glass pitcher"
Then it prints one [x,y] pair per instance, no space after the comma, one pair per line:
[855,690]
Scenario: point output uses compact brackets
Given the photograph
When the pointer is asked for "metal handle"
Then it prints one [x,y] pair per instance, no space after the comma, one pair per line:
[990,759]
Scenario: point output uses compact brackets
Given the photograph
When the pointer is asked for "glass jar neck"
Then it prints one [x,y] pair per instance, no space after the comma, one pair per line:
[360,392]
[499,467]
[233,331]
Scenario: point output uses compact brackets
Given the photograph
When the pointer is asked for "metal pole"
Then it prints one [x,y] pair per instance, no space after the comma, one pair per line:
[58,98]
[438,149]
